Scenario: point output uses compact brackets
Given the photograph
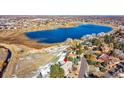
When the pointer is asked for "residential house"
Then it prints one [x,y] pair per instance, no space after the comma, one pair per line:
[67,67]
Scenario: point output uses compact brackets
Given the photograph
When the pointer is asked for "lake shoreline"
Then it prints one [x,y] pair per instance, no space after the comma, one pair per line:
[59,35]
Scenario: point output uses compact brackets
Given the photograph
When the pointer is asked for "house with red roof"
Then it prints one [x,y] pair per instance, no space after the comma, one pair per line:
[104,58]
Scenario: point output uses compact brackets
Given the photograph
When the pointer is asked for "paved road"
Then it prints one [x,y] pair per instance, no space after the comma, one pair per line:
[6,62]
[83,68]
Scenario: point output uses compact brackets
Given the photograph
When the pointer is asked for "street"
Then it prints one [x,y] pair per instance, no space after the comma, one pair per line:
[6,62]
[83,68]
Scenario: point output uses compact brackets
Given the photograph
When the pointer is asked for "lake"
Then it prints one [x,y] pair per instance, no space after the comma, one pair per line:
[61,34]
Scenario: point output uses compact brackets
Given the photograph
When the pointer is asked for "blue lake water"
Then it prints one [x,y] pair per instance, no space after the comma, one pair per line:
[61,34]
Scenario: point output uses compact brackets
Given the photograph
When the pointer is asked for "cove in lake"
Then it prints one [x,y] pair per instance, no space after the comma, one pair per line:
[61,34]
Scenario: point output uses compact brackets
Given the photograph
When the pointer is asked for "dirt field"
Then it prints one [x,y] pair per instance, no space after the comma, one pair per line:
[20,38]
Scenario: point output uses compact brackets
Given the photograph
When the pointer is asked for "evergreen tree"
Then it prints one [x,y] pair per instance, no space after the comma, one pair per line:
[56,71]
